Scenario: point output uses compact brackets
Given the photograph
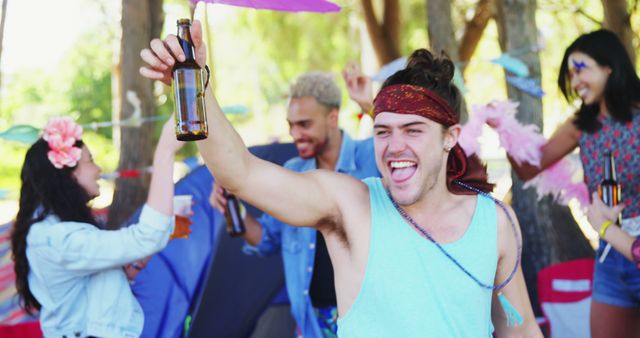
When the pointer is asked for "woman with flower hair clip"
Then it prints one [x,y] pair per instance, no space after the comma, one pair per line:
[597,69]
[66,266]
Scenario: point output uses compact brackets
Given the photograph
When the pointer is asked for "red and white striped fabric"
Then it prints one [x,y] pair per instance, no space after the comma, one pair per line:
[564,293]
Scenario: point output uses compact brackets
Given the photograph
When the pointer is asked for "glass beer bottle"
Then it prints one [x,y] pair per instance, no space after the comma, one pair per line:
[188,90]
[609,189]
[233,216]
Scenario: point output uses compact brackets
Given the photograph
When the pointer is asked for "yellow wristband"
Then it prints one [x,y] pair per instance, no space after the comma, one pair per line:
[243,210]
[604,227]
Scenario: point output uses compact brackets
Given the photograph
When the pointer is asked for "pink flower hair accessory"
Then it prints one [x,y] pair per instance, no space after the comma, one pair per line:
[62,133]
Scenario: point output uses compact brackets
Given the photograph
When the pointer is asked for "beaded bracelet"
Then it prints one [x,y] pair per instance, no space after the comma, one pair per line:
[635,252]
[603,228]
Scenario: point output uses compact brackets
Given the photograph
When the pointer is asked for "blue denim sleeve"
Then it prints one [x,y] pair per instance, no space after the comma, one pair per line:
[84,248]
[271,241]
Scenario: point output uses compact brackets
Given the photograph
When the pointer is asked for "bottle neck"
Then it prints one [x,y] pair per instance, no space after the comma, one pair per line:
[609,167]
[184,37]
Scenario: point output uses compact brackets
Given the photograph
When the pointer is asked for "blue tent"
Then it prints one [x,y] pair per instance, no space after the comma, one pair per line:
[206,277]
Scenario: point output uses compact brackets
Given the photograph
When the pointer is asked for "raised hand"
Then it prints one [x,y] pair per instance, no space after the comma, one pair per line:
[358,85]
[168,141]
[217,199]
[162,54]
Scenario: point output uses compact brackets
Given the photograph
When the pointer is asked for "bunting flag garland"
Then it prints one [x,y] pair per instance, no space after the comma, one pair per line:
[191,163]
[21,133]
[27,134]
[527,85]
[235,109]
[523,143]
[508,61]
[511,64]
[458,80]
[126,173]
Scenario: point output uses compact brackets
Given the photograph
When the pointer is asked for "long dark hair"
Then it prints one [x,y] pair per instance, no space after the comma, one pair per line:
[45,190]
[622,90]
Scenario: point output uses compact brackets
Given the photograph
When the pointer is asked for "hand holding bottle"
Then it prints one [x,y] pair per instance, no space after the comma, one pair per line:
[599,213]
[160,59]
[217,199]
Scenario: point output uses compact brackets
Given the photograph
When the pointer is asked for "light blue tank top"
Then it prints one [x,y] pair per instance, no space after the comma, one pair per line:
[411,289]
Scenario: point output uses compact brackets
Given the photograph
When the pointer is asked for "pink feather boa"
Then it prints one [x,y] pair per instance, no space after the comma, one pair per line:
[524,144]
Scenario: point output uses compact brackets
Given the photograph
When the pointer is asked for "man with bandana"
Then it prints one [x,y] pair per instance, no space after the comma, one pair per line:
[422,251]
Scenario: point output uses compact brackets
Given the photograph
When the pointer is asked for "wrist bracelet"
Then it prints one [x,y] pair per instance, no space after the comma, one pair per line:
[635,252]
[243,211]
[604,227]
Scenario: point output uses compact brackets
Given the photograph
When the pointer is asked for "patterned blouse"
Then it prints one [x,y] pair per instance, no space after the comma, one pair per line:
[623,141]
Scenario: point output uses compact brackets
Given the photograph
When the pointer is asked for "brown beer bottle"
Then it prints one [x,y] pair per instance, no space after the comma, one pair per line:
[233,216]
[609,189]
[188,90]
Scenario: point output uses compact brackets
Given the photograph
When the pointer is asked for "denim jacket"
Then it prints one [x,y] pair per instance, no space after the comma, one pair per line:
[76,274]
[297,244]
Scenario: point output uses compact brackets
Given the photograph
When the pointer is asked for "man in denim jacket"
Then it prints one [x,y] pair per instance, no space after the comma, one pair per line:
[313,124]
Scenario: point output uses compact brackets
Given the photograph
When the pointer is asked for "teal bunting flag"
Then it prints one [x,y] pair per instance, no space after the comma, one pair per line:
[511,64]
[21,133]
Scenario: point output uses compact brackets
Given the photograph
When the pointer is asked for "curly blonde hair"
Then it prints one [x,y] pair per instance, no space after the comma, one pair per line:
[320,85]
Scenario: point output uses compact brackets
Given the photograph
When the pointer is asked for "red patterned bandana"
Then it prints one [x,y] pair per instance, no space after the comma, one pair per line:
[416,100]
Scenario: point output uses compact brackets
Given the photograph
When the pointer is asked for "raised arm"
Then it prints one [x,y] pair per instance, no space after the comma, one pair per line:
[295,198]
[161,188]
[516,290]
[85,249]
[563,141]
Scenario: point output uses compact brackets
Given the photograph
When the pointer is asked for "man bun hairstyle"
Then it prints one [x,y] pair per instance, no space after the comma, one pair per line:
[431,72]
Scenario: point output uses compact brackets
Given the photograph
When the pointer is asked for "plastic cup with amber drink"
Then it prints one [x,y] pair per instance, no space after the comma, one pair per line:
[182,211]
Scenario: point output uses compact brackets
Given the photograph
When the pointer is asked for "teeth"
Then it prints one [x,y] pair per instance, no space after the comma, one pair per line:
[401,164]
[582,92]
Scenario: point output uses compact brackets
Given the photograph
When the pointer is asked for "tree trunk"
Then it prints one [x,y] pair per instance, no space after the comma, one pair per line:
[442,37]
[385,36]
[440,27]
[3,20]
[618,20]
[141,21]
[474,28]
[544,223]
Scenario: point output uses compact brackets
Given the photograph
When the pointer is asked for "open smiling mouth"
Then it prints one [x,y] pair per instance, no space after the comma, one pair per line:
[401,171]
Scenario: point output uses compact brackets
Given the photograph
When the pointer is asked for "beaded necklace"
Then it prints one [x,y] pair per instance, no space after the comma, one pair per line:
[448,255]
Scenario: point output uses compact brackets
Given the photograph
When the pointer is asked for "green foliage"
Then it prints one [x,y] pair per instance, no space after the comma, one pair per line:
[88,89]
[13,156]
[79,87]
